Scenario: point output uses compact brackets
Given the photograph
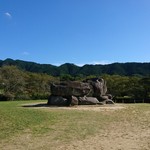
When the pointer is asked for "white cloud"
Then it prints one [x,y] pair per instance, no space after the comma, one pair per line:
[25,53]
[8,15]
[57,64]
[103,62]
[80,64]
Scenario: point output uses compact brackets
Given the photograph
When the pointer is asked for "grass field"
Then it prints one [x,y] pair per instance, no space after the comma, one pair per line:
[77,128]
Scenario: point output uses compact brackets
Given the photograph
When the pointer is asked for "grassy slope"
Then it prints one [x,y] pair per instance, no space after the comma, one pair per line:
[62,125]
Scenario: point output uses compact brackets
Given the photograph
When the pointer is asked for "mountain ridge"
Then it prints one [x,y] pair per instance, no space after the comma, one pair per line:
[125,69]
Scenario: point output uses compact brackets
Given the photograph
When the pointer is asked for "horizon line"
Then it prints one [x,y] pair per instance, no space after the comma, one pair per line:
[76,64]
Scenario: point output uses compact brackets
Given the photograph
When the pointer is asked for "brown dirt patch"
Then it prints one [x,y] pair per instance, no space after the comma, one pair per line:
[108,107]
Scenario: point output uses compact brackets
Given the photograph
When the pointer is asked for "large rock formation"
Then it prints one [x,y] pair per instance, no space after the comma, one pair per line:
[89,92]
[70,88]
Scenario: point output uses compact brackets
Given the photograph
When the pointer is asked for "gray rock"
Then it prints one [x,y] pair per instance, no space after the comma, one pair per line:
[98,86]
[57,101]
[89,92]
[74,101]
[70,88]
[88,101]
[109,101]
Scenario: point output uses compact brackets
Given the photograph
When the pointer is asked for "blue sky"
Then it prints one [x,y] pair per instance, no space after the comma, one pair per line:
[75,31]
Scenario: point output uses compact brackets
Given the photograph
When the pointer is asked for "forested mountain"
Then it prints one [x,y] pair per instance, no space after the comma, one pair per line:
[126,69]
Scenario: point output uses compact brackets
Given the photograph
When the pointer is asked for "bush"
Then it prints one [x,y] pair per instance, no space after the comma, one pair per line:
[36,96]
[7,97]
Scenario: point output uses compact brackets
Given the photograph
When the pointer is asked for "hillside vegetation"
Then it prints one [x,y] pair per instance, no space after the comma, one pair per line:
[26,80]
[126,69]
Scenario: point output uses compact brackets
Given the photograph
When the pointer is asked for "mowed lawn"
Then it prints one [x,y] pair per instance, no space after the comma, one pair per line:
[76,128]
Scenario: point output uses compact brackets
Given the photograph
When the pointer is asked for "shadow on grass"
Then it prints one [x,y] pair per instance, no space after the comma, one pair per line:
[42,105]
[36,105]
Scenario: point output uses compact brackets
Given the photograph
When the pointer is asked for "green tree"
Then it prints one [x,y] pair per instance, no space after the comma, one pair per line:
[38,85]
[66,77]
[145,83]
[12,81]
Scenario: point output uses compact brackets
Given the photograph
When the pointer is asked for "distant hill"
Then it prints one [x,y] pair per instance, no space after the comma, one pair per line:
[126,69]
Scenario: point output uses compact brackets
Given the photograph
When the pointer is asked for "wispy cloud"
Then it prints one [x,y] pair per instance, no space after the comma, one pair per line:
[8,15]
[25,53]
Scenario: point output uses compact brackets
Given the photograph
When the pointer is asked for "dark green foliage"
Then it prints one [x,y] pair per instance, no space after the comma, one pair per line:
[124,69]
[12,81]
[145,83]
[18,84]
[31,66]
[66,77]
[128,88]
[68,68]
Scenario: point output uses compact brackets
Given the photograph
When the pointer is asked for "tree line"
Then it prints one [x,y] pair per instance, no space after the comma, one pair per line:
[123,69]
[18,84]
